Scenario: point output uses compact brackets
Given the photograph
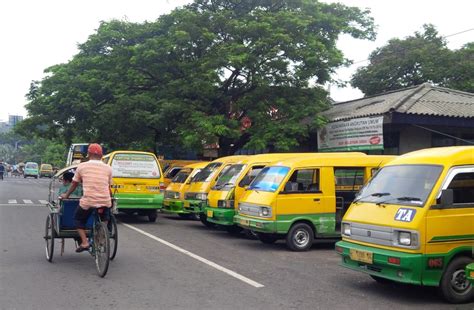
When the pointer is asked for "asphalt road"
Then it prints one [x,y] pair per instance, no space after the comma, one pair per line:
[178,264]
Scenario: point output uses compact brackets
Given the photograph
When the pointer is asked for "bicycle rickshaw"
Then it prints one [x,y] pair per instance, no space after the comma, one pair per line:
[60,225]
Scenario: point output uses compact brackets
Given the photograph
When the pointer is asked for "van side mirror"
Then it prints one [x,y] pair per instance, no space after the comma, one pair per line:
[447,198]
[245,181]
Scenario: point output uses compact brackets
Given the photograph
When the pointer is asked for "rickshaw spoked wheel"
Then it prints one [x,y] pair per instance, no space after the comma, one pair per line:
[101,248]
[49,236]
[113,233]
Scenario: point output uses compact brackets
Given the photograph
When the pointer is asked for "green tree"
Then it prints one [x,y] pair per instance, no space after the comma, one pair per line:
[193,76]
[414,60]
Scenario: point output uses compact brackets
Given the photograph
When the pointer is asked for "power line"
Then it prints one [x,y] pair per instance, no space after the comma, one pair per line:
[444,37]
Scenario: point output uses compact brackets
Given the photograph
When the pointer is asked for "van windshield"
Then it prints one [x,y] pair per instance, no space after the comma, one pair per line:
[269,179]
[229,177]
[182,176]
[404,184]
[206,174]
[135,166]
[31,166]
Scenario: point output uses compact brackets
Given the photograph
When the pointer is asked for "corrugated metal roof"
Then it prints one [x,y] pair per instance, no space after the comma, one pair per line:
[423,99]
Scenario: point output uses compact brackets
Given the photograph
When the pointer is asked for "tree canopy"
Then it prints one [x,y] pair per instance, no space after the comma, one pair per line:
[236,73]
[414,60]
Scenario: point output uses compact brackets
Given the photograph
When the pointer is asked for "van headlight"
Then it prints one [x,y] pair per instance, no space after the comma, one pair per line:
[346,229]
[404,238]
[201,196]
[265,212]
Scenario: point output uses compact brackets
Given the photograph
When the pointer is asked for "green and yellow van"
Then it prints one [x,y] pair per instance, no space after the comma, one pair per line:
[300,199]
[137,182]
[46,170]
[196,196]
[174,193]
[171,167]
[224,196]
[414,222]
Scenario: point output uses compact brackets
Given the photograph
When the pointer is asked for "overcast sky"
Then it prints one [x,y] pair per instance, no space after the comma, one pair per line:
[37,34]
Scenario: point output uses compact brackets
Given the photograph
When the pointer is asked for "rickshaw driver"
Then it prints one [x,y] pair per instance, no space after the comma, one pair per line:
[96,178]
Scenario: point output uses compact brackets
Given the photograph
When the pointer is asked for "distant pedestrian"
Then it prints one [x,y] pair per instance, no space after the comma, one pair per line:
[2,169]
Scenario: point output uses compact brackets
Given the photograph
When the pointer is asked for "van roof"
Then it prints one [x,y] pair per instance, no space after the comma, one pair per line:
[201,164]
[233,158]
[271,157]
[129,152]
[350,159]
[446,156]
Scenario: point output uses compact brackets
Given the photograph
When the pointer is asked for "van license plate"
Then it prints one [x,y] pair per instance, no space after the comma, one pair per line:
[361,256]
[244,222]
[210,213]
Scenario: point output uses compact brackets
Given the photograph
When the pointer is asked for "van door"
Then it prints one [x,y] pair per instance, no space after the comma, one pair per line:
[453,226]
[304,198]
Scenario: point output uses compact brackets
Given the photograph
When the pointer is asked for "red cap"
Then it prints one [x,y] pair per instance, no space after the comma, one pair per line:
[95,148]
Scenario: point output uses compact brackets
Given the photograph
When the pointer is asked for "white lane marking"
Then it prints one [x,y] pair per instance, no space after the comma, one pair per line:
[43,202]
[12,201]
[199,258]
[26,201]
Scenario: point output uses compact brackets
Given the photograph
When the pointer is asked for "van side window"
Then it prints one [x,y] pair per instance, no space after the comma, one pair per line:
[349,178]
[254,171]
[463,188]
[304,180]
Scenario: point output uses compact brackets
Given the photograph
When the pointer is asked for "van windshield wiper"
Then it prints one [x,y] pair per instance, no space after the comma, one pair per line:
[372,195]
[218,186]
[403,198]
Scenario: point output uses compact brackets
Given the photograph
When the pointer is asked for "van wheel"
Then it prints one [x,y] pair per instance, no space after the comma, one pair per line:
[454,286]
[152,215]
[204,220]
[267,238]
[300,237]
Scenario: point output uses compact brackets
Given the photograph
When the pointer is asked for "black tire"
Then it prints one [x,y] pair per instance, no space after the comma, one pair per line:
[300,237]
[206,223]
[152,216]
[381,280]
[113,236]
[49,236]
[454,287]
[234,229]
[101,249]
[267,238]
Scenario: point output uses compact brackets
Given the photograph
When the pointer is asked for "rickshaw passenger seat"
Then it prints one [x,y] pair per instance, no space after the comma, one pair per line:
[68,208]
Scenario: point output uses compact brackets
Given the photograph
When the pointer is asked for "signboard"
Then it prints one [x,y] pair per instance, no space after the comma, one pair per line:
[352,135]
[135,166]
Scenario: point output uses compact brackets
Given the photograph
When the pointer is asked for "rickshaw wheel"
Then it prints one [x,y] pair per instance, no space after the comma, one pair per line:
[49,236]
[101,248]
[113,231]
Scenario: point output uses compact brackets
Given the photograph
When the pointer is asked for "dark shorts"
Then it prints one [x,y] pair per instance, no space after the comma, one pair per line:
[81,215]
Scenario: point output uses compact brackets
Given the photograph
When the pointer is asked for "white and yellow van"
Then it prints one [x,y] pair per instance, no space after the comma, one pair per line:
[196,196]
[174,193]
[137,182]
[300,199]
[414,222]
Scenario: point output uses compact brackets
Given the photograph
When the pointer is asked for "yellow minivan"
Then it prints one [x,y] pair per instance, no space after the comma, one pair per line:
[171,167]
[300,199]
[414,222]
[46,170]
[224,196]
[196,195]
[137,182]
[174,193]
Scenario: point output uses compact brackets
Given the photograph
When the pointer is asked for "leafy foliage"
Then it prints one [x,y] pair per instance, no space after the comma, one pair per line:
[193,76]
[417,59]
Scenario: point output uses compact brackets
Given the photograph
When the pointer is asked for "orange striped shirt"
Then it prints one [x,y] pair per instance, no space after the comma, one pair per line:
[96,178]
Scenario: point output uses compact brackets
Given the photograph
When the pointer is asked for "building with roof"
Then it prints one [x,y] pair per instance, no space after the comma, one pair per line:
[400,121]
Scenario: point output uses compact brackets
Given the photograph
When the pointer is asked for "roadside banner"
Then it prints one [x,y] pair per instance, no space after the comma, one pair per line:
[352,135]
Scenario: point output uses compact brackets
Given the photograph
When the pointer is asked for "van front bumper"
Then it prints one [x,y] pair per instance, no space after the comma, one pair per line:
[173,206]
[409,269]
[194,206]
[139,201]
[220,216]
[258,225]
